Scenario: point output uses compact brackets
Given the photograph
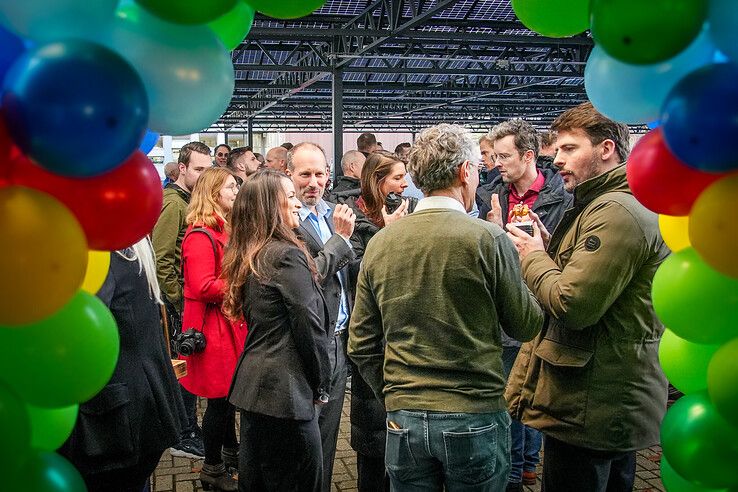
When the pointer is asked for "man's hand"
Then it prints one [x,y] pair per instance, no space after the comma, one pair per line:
[545,235]
[495,212]
[344,220]
[523,242]
[400,212]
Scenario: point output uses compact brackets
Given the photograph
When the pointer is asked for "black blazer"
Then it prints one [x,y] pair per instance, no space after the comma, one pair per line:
[285,362]
[330,259]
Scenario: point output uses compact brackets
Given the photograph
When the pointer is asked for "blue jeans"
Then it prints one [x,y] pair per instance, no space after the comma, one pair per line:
[463,451]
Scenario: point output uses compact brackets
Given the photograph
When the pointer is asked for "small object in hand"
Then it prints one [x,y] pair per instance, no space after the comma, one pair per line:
[392,201]
[525,226]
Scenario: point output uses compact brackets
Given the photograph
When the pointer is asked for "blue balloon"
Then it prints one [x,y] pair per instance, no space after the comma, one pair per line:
[75,107]
[653,124]
[148,141]
[11,47]
[635,93]
[723,21]
[700,118]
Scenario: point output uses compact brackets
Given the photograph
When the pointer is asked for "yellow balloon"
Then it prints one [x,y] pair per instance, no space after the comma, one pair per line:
[98,263]
[675,231]
[43,255]
[713,228]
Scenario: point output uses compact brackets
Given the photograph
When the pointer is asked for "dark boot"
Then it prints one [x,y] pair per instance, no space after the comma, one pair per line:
[217,477]
[230,459]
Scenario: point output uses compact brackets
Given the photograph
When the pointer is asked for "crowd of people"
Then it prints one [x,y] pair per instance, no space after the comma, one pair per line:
[485,299]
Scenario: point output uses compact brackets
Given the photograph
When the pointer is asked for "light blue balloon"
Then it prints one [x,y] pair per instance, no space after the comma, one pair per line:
[723,23]
[635,93]
[44,20]
[187,72]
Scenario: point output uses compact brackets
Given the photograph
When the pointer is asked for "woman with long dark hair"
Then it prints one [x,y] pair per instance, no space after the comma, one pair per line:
[284,369]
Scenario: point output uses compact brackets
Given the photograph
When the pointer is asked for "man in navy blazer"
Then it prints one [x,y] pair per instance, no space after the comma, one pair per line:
[326,229]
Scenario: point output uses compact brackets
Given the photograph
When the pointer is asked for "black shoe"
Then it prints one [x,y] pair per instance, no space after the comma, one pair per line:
[217,477]
[188,447]
[514,487]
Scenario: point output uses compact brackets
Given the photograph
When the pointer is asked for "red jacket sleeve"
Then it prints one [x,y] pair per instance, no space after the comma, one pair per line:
[201,273]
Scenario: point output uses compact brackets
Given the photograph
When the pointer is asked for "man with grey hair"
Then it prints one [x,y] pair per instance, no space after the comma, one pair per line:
[171,173]
[432,296]
[276,159]
[350,183]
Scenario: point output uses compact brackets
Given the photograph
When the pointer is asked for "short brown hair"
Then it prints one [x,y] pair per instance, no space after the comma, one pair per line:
[187,149]
[597,127]
[365,141]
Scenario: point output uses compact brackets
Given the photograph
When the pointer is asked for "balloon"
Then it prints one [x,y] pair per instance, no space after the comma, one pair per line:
[675,231]
[43,255]
[44,21]
[713,229]
[62,97]
[635,93]
[115,209]
[148,141]
[694,301]
[47,472]
[15,427]
[64,359]
[636,32]
[553,18]
[51,427]
[685,363]
[288,9]
[98,263]
[660,181]
[700,445]
[722,381]
[187,72]
[673,482]
[182,12]
[700,118]
[723,21]
[233,26]
[11,47]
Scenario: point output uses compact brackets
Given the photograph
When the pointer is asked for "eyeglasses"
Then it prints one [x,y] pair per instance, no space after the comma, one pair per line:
[476,166]
[222,154]
[233,187]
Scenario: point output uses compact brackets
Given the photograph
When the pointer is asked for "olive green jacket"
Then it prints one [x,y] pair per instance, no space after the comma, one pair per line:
[166,238]
[592,377]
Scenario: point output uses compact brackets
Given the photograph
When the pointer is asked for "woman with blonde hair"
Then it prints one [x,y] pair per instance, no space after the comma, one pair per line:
[284,370]
[210,342]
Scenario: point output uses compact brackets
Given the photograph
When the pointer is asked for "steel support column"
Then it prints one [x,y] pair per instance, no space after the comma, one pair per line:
[250,130]
[337,107]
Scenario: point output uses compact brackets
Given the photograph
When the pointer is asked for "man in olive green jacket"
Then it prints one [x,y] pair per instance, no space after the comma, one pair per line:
[591,381]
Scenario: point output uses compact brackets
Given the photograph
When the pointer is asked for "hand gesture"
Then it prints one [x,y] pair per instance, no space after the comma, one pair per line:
[344,220]
[525,243]
[545,235]
[495,213]
[400,212]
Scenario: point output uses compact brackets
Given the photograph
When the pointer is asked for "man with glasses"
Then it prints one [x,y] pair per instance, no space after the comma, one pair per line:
[430,350]
[221,155]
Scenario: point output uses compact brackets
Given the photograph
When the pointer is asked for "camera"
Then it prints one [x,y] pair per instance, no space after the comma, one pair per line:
[190,342]
[392,201]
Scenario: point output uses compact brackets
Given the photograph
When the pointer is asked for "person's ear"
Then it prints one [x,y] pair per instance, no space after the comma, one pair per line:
[608,149]
[288,172]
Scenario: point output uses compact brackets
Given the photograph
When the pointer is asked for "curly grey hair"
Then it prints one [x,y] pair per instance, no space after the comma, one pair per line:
[437,153]
[526,136]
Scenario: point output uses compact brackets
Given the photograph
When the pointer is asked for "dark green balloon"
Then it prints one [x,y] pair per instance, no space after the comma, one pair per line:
[187,11]
[675,483]
[64,359]
[638,32]
[553,18]
[285,9]
[45,472]
[233,27]
[722,381]
[15,428]
[694,301]
[699,444]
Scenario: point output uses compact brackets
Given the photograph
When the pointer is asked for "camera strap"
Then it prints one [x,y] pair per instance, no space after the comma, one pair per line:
[217,259]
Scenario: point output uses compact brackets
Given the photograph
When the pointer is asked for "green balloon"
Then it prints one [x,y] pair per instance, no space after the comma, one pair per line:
[233,26]
[65,358]
[15,429]
[673,482]
[553,18]
[685,363]
[700,445]
[696,302]
[640,32]
[45,472]
[50,427]
[722,381]
[187,12]
[286,9]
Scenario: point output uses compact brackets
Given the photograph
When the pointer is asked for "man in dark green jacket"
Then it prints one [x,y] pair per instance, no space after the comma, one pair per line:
[433,291]
[591,381]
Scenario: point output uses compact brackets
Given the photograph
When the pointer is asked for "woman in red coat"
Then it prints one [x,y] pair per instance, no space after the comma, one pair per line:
[210,370]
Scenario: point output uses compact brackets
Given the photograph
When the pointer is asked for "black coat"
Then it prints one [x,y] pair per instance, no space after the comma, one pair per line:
[138,412]
[284,366]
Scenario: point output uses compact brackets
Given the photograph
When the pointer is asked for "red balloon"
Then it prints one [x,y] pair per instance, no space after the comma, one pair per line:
[115,209]
[660,181]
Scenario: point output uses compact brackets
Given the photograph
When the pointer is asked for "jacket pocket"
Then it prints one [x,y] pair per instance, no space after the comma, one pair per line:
[105,424]
[563,383]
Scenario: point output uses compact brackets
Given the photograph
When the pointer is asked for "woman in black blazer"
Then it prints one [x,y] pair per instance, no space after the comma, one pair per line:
[284,368]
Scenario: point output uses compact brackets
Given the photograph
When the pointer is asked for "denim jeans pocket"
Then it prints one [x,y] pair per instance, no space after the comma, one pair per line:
[398,456]
[471,457]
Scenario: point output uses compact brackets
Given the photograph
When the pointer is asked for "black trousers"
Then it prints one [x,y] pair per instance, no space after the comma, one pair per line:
[190,404]
[279,455]
[130,479]
[371,474]
[330,413]
[218,429]
[570,468]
